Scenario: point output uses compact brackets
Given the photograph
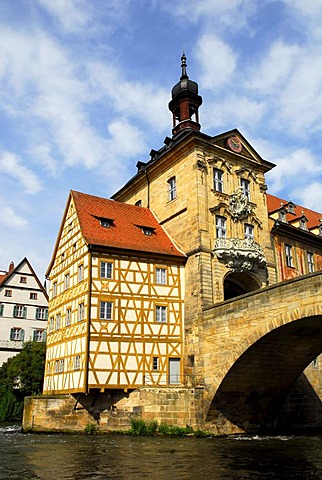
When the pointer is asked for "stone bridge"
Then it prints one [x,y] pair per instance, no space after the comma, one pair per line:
[254,348]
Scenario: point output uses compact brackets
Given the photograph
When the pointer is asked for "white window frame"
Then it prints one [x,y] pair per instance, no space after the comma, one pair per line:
[54,289]
[172,189]
[161,276]
[310,262]
[23,280]
[248,231]
[80,273]
[218,180]
[57,321]
[68,320]
[161,313]
[8,293]
[106,270]
[77,362]
[106,310]
[38,335]
[289,255]
[41,313]
[66,281]
[81,312]
[17,334]
[221,226]
[245,185]
[20,311]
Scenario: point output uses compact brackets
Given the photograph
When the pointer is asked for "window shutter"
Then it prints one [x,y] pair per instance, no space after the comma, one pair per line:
[1,310]
[22,334]
[12,334]
[34,335]
[46,314]
[44,336]
[37,313]
[14,310]
[24,312]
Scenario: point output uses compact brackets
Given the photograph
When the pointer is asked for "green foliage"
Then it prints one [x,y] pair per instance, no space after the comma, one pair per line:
[90,429]
[140,427]
[21,376]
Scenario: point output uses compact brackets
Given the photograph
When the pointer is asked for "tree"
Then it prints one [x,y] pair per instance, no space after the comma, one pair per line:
[21,376]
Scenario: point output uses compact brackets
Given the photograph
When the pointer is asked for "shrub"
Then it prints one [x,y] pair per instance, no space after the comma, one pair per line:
[90,429]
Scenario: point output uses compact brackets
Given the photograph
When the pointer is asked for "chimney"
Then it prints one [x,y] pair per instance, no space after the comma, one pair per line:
[11,267]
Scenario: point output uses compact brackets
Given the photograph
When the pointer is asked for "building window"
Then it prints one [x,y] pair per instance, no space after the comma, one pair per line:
[161,275]
[57,323]
[289,255]
[138,203]
[41,313]
[19,311]
[220,226]
[105,310]
[245,185]
[61,365]
[56,366]
[248,231]
[106,222]
[54,289]
[310,262]
[80,273]
[77,362]
[23,279]
[66,281]
[51,324]
[218,180]
[17,334]
[68,317]
[39,335]
[8,293]
[155,365]
[161,313]
[172,189]
[147,231]
[33,296]
[1,309]
[81,312]
[106,270]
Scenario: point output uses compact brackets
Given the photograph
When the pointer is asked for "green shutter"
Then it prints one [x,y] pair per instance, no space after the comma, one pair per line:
[11,334]
[22,334]
[37,313]
[44,336]
[34,335]
[1,310]
[14,310]
[46,315]
[24,314]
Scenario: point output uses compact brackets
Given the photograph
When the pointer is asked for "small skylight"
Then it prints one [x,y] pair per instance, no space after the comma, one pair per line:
[147,230]
[106,222]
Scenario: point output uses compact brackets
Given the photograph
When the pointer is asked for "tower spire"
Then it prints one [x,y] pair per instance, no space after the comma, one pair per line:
[185,102]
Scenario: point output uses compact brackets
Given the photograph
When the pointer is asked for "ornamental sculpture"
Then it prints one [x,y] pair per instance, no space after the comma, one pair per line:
[240,255]
[238,204]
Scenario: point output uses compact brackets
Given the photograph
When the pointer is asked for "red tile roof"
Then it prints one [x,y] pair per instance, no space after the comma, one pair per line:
[125,231]
[275,203]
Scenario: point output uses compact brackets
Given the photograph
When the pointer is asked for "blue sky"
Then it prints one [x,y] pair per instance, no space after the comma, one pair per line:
[85,84]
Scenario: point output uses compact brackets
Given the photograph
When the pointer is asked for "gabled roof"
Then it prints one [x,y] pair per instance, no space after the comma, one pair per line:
[125,230]
[4,278]
[275,203]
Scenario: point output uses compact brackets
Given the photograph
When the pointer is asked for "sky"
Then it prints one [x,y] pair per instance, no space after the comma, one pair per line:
[85,86]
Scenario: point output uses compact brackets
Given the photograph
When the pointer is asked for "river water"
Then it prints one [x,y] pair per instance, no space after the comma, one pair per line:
[116,457]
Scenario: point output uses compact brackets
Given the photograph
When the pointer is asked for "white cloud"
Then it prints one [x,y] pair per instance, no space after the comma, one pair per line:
[296,169]
[217,61]
[72,15]
[9,218]
[12,166]
[311,196]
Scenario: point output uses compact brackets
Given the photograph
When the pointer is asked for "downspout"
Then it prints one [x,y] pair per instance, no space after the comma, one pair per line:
[88,319]
[148,186]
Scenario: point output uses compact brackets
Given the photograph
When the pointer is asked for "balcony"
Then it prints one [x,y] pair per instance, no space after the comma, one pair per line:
[240,255]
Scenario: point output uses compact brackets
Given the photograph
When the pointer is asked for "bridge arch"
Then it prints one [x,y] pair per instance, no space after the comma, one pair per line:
[256,346]
[238,283]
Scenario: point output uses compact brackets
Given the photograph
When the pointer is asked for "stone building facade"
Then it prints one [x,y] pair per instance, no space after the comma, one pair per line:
[227,238]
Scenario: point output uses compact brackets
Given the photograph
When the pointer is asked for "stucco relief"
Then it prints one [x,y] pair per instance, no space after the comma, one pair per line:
[238,204]
[240,255]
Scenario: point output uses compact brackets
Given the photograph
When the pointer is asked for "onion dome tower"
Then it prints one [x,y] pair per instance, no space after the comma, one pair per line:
[185,102]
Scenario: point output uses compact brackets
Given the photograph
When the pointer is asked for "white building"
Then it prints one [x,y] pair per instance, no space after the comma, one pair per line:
[23,309]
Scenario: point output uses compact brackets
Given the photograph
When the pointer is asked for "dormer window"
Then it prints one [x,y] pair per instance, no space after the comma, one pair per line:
[106,222]
[282,215]
[303,223]
[147,230]
[138,203]
[291,207]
